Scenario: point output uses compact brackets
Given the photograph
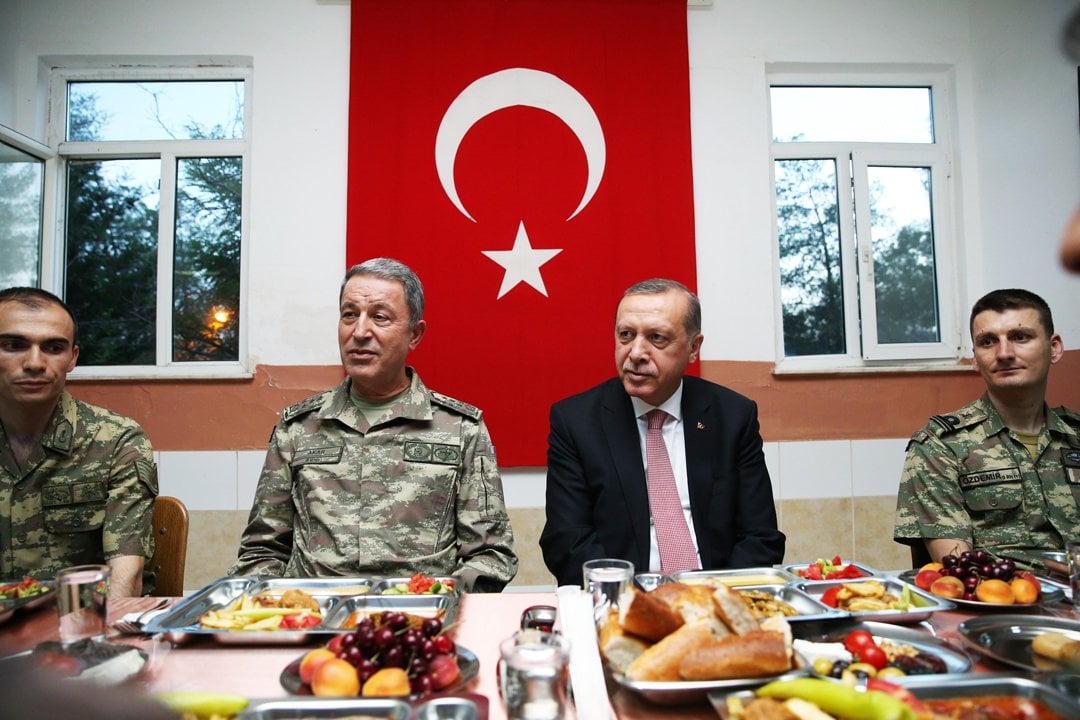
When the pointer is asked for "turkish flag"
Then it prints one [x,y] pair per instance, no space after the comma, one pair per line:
[529,159]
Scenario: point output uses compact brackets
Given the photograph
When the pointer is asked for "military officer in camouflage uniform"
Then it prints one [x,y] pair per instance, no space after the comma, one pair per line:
[1002,473]
[77,482]
[379,475]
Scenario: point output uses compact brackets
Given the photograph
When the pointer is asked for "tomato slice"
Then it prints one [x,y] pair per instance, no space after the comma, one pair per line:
[829,597]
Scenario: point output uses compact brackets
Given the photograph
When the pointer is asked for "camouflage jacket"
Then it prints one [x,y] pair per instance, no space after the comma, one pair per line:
[967,476]
[416,491]
[85,496]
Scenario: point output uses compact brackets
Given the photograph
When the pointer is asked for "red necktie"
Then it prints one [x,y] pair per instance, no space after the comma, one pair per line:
[672,534]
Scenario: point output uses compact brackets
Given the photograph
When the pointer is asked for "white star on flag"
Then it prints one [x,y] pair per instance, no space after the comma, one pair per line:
[522,263]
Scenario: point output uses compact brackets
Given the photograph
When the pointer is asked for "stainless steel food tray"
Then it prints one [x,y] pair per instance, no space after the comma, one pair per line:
[10,606]
[683,692]
[466,707]
[866,570]
[338,597]
[806,607]
[1007,638]
[834,631]
[931,687]
[924,604]
[736,578]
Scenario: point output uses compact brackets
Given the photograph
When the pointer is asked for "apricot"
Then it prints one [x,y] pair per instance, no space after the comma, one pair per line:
[312,662]
[390,681]
[1025,589]
[335,678]
[995,591]
[925,578]
[948,586]
[936,566]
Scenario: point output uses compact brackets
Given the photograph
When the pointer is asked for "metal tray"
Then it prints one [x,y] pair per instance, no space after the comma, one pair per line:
[1007,638]
[927,604]
[808,608]
[468,664]
[338,597]
[1052,591]
[8,607]
[685,691]
[448,707]
[833,631]
[1057,563]
[935,687]
[866,570]
[736,578]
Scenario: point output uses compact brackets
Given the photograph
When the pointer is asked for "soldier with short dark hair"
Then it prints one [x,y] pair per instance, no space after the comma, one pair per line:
[379,475]
[77,482]
[1002,473]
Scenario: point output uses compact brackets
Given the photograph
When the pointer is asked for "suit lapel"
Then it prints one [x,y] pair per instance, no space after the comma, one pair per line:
[700,428]
[621,434]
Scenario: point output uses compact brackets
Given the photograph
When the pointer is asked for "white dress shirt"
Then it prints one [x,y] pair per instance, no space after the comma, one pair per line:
[676,448]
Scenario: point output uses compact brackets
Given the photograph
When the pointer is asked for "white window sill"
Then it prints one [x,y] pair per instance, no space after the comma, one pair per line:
[858,367]
[185,371]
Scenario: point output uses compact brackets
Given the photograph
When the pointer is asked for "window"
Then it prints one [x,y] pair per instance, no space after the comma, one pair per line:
[861,172]
[22,196]
[152,167]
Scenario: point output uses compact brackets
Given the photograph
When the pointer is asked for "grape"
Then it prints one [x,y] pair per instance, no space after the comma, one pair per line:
[432,627]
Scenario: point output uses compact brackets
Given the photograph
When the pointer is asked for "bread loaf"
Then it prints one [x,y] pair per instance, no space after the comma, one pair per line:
[618,647]
[758,653]
[733,610]
[661,661]
[692,602]
[646,616]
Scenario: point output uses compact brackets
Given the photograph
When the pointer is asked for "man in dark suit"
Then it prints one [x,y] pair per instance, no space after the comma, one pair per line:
[598,500]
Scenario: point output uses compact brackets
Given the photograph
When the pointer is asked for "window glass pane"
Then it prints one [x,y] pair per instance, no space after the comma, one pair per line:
[903,248]
[851,114]
[21,192]
[112,217]
[206,269]
[807,211]
[174,110]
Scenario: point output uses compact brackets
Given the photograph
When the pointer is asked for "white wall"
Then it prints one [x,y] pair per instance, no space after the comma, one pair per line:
[1017,144]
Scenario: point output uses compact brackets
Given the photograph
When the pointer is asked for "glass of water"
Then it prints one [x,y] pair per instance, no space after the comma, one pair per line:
[606,579]
[82,594]
[533,673]
[1073,559]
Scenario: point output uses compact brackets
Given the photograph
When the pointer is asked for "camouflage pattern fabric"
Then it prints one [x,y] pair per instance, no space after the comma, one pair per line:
[966,476]
[85,496]
[418,490]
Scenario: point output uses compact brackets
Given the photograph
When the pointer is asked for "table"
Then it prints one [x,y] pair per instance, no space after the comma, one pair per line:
[483,621]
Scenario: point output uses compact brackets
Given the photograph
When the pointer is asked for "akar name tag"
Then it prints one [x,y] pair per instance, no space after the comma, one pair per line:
[317,456]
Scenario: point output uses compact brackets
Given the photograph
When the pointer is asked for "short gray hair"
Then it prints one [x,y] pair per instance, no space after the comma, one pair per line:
[659,286]
[391,269]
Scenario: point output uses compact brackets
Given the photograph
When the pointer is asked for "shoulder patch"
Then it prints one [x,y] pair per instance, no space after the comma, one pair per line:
[461,408]
[942,424]
[1070,416]
[304,406]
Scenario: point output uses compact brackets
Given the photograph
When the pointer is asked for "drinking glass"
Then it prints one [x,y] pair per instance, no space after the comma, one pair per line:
[1073,558]
[81,597]
[606,579]
[533,672]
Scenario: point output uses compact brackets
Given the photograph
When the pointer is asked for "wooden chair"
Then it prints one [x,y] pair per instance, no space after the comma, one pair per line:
[170,522]
[919,554]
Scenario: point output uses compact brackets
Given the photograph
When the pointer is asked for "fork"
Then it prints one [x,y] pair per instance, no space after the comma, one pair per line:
[135,626]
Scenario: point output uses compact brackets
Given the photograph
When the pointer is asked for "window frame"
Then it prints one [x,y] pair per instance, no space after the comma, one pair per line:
[47,156]
[169,153]
[862,351]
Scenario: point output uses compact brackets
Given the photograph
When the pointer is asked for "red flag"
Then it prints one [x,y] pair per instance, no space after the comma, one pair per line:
[529,159]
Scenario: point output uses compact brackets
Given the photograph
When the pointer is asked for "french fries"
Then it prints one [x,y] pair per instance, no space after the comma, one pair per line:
[247,613]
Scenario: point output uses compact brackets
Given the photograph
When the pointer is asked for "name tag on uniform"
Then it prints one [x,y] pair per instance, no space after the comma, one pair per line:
[317,456]
[437,453]
[989,477]
[1070,460]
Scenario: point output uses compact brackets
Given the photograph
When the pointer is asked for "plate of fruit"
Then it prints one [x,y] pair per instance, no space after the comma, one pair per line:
[388,654]
[975,579]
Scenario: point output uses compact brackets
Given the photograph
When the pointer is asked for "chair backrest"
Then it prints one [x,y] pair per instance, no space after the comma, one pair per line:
[170,523]
[919,554]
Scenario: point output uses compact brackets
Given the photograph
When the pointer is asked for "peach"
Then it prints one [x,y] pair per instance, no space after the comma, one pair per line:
[388,681]
[948,586]
[926,577]
[1025,589]
[312,662]
[335,678]
[932,566]
[995,591]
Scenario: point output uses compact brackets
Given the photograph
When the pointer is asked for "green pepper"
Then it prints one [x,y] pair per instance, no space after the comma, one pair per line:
[840,700]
